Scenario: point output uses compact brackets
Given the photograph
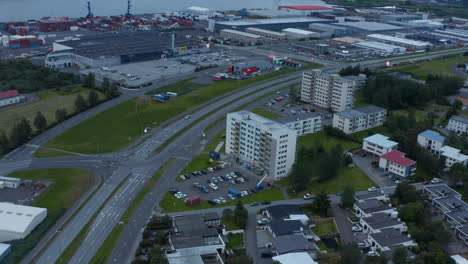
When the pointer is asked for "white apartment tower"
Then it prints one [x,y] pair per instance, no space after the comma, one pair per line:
[262,142]
[330,91]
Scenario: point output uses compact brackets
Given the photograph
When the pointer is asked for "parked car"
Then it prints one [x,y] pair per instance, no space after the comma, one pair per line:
[213,186]
[263,221]
[307,196]
[356,229]
[372,254]
[212,203]
[372,189]
[210,169]
[266,202]
[182,177]
[197,185]
[362,245]
[436,180]
[254,204]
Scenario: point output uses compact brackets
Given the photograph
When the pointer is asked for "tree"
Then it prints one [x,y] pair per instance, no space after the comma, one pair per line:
[20,133]
[40,122]
[156,255]
[406,193]
[400,256]
[139,261]
[382,259]
[275,262]
[89,80]
[347,197]
[299,177]
[61,115]
[351,254]
[227,213]
[458,172]
[414,212]
[105,84]
[112,91]
[242,259]
[93,98]
[4,143]
[292,93]
[321,204]
[241,215]
[80,103]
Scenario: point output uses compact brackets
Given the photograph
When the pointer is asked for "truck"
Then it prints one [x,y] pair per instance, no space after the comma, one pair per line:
[159,98]
[234,193]
[171,94]
[214,155]
[165,96]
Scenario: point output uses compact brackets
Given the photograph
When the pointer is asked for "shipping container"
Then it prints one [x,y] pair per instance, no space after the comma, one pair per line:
[193,201]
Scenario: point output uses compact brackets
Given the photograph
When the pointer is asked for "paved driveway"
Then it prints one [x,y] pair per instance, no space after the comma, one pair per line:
[365,164]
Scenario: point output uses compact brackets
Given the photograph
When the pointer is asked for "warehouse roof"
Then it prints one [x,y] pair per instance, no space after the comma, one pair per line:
[122,44]
[411,42]
[253,22]
[379,46]
[17,218]
[369,26]
[305,7]
[241,33]
[271,32]
[298,31]
[381,140]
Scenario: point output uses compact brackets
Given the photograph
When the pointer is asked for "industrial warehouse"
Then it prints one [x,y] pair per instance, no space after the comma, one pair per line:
[116,49]
[17,221]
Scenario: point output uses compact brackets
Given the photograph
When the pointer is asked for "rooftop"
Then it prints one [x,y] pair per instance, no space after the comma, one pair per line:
[294,258]
[282,227]
[400,40]
[359,112]
[245,34]
[433,135]
[253,22]
[3,248]
[378,45]
[381,220]
[452,203]
[441,190]
[461,119]
[17,218]
[191,229]
[9,179]
[297,117]
[463,229]
[461,217]
[305,7]
[398,157]
[373,206]
[365,195]
[459,259]
[261,122]
[381,140]
[292,243]
[390,237]
[283,211]
[271,32]
[297,31]
[369,26]
[453,153]
[8,94]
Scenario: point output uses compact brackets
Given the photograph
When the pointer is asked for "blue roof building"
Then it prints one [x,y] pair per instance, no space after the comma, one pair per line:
[432,141]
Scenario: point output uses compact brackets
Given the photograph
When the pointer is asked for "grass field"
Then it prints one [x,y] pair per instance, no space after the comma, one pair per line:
[68,185]
[119,126]
[200,162]
[171,204]
[106,248]
[328,142]
[265,113]
[325,228]
[215,141]
[419,114]
[48,153]
[440,67]
[48,102]
[235,241]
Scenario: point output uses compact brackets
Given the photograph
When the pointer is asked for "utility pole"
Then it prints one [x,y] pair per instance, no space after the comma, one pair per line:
[90,14]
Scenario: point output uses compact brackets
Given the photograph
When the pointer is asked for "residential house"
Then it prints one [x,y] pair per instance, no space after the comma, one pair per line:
[448,204]
[369,207]
[367,195]
[10,97]
[461,233]
[295,258]
[387,238]
[456,218]
[396,163]
[458,124]
[292,243]
[432,141]
[358,119]
[378,144]
[452,155]
[376,222]
[195,239]
[440,191]
[289,227]
[286,212]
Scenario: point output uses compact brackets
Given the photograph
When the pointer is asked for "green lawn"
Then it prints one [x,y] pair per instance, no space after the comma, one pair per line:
[235,241]
[200,162]
[229,223]
[119,126]
[328,142]
[325,228]
[419,114]
[68,185]
[171,204]
[106,248]
[48,103]
[421,71]
[359,100]
[265,113]
[48,153]
[215,141]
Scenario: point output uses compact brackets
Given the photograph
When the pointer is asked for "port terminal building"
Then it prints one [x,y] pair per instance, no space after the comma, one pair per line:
[121,48]
[276,24]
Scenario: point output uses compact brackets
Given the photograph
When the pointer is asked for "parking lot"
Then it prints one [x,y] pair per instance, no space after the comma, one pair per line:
[222,181]
[381,178]
[25,194]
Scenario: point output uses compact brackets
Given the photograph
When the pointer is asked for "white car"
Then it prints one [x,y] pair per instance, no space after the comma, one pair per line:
[372,254]
[307,196]
[436,180]
[210,169]
[213,186]
[182,177]
[244,193]
[372,189]
[356,229]
[362,245]
[222,199]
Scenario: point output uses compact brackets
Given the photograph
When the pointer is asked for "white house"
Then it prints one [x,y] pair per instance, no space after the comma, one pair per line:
[369,207]
[388,238]
[379,221]
[378,144]
[10,97]
[452,156]
[431,140]
[396,163]
[458,124]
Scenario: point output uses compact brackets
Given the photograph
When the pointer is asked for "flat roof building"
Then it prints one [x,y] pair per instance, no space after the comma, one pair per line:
[376,222]
[291,244]
[382,241]
[358,119]
[271,24]
[378,144]
[295,258]
[365,26]
[452,156]
[303,124]
[408,43]
[5,249]
[431,140]
[9,182]
[262,142]
[267,33]
[447,204]
[440,191]
[383,48]
[17,221]
[240,35]
[370,207]
[295,33]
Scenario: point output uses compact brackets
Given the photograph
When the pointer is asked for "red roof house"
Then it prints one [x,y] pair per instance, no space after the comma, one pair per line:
[8,94]
[396,163]
[398,157]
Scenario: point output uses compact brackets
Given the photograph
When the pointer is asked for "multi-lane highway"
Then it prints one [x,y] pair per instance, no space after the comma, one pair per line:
[128,170]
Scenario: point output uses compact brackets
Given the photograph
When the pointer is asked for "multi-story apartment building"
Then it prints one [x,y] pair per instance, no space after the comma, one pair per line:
[264,143]
[304,124]
[452,155]
[396,163]
[458,124]
[378,144]
[358,119]
[432,141]
[330,91]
